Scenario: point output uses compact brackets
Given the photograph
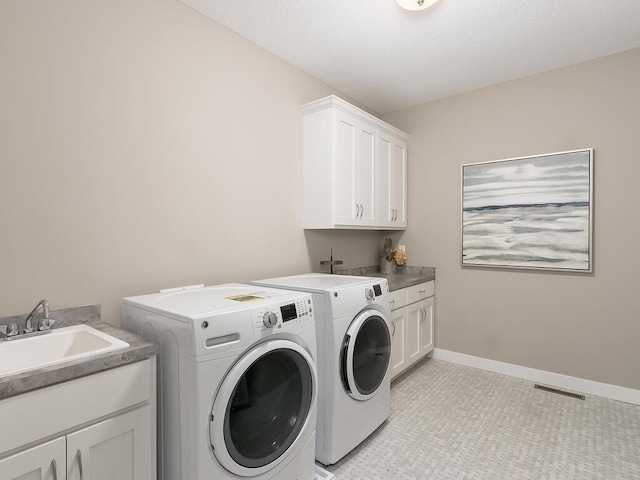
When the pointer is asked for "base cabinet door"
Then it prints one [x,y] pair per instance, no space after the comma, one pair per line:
[398,339]
[426,327]
[117,448]
[420,329]
[415,316]
[43,462]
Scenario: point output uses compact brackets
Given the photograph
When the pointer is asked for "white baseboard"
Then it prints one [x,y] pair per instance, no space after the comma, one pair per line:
[566,382]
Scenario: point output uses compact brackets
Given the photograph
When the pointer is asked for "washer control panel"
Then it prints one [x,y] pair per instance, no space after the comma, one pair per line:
[375,290]
[284,316]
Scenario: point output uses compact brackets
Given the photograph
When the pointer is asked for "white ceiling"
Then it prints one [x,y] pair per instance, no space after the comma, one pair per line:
[388,58]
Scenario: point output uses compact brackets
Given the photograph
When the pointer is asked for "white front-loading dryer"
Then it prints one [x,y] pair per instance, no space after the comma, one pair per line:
[237,381]
[353,330]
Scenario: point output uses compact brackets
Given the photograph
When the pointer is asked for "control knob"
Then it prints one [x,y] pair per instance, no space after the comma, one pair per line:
[270,319]
[368,293]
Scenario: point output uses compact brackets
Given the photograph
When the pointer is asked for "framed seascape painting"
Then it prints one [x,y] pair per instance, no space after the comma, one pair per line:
[529,212]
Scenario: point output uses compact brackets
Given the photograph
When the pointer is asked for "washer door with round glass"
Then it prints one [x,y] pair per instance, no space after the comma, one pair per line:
[261,413]
[365,355]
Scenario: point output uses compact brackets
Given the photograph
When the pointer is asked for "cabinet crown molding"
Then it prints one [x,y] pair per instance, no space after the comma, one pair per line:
[332,101]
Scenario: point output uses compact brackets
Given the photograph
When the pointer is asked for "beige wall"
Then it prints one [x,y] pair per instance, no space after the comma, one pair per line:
[143,146]
[586,326]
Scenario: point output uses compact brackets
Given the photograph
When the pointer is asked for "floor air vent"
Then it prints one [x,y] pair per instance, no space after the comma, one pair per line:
[559,392]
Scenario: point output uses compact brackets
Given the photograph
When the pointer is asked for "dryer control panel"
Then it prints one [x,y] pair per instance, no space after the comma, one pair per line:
[286,316]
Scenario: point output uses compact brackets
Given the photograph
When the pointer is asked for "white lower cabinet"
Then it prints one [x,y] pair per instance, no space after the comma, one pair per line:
[398,341]
[118,444]
[412,316]
[44,462]
[420,330]
[114,448]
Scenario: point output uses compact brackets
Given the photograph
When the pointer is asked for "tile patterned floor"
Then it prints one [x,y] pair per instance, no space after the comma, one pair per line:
[451,422]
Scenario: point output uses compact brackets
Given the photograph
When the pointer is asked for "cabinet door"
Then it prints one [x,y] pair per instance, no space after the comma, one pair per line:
[354,172]
[398,341]
[426,327]
[44,462]
[399,183]
[117,448]
[419,330]
[392,181]
[415,316]
[366,175]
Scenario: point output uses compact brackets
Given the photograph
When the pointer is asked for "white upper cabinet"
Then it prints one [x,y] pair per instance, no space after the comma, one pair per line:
[354,194]
[355,169]
[392,181]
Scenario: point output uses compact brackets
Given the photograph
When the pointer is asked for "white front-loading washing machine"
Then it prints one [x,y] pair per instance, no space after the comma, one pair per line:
[237,381]
[354,349]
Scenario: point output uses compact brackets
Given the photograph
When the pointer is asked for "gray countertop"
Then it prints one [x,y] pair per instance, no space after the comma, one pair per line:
[406,276]
[138,349]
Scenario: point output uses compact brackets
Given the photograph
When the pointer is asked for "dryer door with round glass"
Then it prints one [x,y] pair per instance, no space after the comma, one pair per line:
[261,411]
[365,355]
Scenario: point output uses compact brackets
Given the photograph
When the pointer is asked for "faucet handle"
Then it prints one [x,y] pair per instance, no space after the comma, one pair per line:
[46,323]
[9,331]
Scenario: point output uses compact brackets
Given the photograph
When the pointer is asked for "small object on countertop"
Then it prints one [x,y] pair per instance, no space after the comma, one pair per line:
[387,250]
[391,258]
[399,256]
[388,267]
[331,262]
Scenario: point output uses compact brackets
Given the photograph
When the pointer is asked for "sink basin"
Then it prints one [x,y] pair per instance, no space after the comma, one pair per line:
[61,345]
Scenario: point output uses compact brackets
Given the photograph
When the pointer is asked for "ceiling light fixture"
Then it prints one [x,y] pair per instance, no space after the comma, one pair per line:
[416,4]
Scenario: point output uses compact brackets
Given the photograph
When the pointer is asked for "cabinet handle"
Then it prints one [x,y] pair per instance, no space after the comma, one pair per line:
[79,453]
[393,300]
[54,468]
[422,291]
[361,211]
[394,329]
[395,214]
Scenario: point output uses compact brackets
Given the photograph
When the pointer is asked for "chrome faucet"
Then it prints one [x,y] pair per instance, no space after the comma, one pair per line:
[45,323]
[10,332]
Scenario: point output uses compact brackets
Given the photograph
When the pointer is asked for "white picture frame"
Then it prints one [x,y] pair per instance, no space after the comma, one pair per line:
[532,212]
